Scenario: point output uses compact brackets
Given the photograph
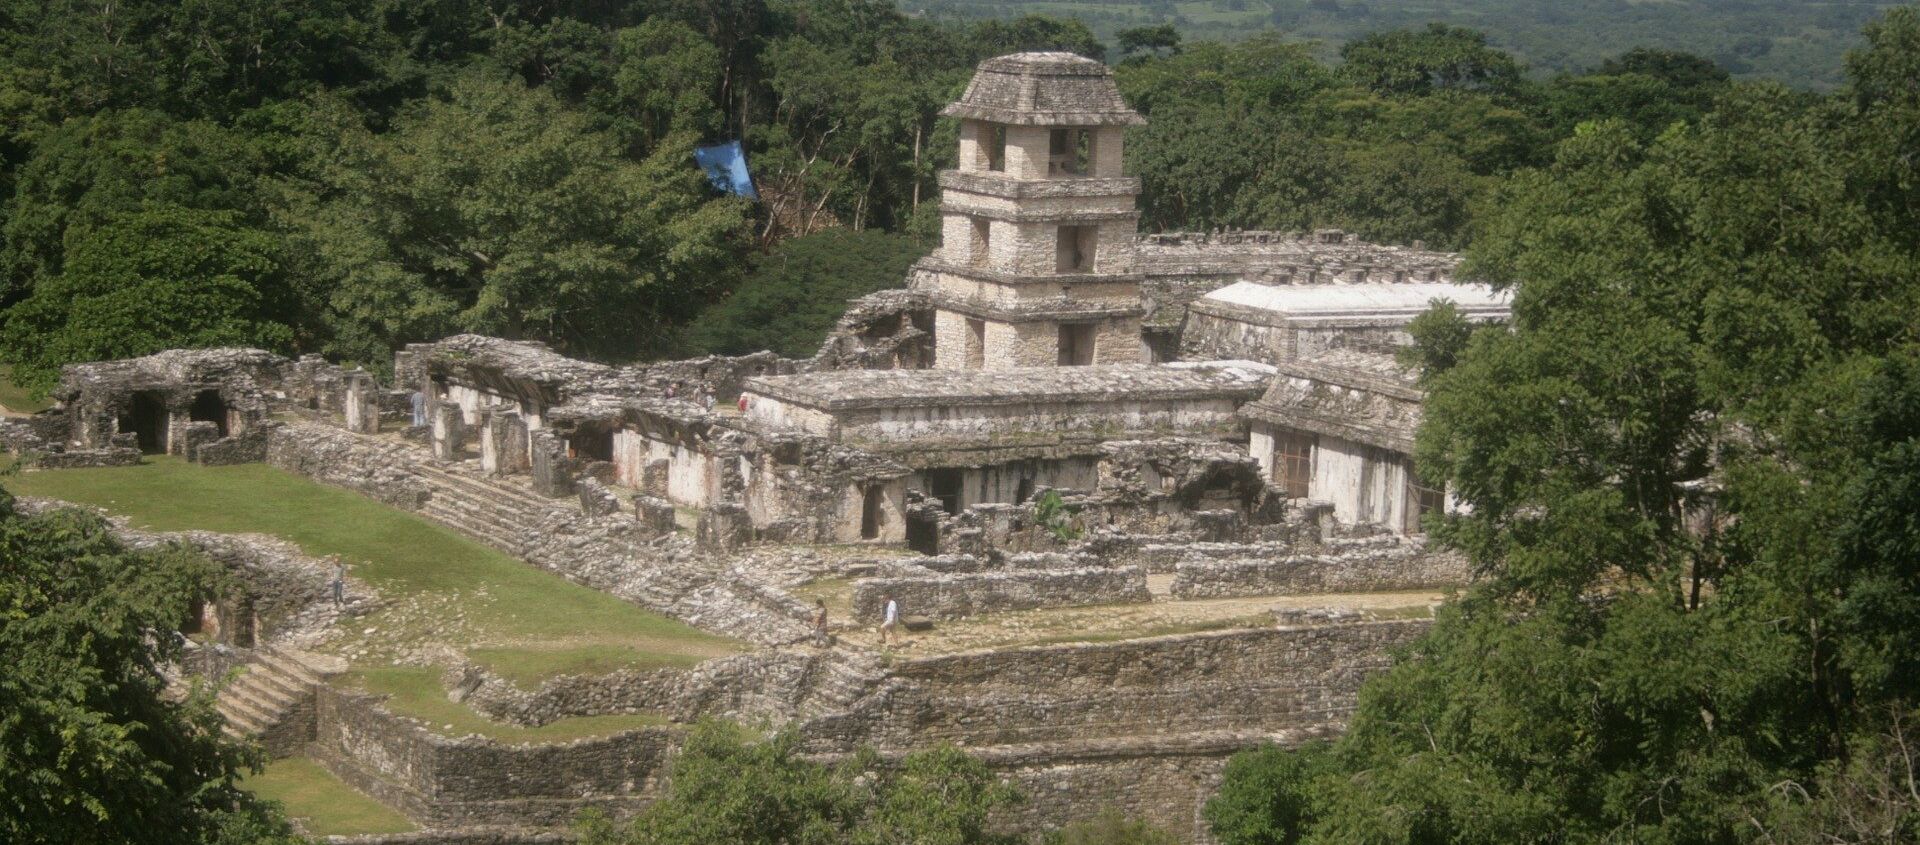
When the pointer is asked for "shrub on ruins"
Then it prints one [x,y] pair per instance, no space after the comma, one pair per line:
[792,295]
[1693,472]
[729,785]
[1110,827]
[91,747]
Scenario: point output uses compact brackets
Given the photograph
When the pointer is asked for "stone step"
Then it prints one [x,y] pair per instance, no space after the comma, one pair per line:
[262,694]
[273,683]
[498,491]
[289,667]
[483,512]
[490,534]
[243,713]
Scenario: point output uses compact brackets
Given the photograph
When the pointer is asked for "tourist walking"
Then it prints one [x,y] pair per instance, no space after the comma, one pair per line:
[339,582]
[820,635]
[890,622]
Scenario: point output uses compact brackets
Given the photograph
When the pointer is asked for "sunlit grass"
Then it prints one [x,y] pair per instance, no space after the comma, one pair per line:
[322,803]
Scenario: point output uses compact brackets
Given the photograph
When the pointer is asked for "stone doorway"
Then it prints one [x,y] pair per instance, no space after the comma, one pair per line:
[208,407]
[146,417]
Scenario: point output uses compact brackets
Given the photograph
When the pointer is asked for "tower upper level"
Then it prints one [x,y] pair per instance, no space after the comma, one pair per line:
[1037,116]
[1044,89]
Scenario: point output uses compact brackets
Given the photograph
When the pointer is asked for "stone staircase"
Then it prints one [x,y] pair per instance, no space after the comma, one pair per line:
[497,512]
[270,700]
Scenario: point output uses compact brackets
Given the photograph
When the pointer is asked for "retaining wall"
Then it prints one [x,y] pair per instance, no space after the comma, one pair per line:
[968,594]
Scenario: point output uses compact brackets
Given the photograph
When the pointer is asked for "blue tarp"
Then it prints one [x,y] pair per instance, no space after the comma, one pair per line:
[726,166]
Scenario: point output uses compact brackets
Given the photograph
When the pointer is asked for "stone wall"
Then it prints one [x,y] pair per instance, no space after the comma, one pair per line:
[1267,680]
[461,836]
[446,782]
[961,595]
[1379,569]
[373,468]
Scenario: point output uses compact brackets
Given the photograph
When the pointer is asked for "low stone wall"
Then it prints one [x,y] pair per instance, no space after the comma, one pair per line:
[627,691]
[249,447]
[332,456]
[1367,571]
[471,781]
[83,458]
[1269,680]
[969,594]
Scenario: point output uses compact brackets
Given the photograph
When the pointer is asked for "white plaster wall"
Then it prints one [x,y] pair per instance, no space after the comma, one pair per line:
[1366,484]
[775,413]
[1260,446]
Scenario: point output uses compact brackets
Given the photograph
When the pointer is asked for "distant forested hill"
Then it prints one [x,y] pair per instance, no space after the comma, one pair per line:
[1799,42]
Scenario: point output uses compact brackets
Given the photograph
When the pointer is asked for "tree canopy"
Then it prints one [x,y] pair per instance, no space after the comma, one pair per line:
[90,749]
[1689,471]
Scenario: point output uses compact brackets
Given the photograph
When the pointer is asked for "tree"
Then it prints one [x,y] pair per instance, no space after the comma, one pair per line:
[90,748]
[728,786]
[94,169]
[1149,39]
[792,295]
[497,209]
[1689,466]
[163,277]
[1421,61]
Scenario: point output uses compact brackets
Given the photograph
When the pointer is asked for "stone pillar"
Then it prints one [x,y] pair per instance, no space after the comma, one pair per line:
[724,526]
[653,477]
[363,403]
[196,435]
[503,442]
[596,499]
[449,431]
[552,474]
[655,514]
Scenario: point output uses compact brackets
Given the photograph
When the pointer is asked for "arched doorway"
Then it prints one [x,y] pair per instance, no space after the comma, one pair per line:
[146,417]
[209,407]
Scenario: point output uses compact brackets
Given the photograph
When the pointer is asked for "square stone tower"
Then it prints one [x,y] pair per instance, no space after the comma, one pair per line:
[1035,266]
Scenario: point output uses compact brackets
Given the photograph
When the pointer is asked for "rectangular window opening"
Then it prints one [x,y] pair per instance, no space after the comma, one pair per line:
[1076,344]
[1074,251]
[1068,152]
[1421,500]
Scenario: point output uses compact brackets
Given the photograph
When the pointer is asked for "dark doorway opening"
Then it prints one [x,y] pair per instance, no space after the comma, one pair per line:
[1023,491]
[1076,344]
[592,443]
[207,407]
[871,513]
[923,532]
[945,485]
[147,419]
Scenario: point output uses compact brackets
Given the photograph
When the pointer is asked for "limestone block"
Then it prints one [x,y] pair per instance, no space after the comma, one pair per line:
[449,431]
[654,513]
[595,498]
[193,437]
[362,403]
[503,443]
[552,471]
[725,526]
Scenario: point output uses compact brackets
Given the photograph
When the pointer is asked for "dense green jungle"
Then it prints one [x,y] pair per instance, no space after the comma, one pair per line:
[1691,461]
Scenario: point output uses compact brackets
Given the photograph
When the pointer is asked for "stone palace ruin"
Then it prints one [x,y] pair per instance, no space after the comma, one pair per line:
[1055,412]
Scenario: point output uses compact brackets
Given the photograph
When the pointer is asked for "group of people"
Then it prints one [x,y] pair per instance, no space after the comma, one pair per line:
[889,623]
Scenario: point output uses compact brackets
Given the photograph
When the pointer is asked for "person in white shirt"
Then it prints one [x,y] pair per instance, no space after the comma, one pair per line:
[890,622]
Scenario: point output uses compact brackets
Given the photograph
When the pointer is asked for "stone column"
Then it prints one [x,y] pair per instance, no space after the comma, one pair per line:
[552,472]
[503,442]
[363,403]
[449,431]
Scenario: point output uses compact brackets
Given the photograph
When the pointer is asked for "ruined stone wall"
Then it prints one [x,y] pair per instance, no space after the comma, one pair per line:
[473,781]
[373,468]
[1265,680]
[1389,568]
[956,596]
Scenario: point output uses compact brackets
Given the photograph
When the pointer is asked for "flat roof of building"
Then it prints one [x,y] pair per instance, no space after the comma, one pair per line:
[1366,301]
[849,389]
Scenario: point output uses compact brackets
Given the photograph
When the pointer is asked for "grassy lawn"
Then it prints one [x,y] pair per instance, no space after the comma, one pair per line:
[15,398]
[417,692]
[436,585]
[324,804]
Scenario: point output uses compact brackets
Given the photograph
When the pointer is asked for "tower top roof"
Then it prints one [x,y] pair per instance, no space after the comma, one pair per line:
[1044,89]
